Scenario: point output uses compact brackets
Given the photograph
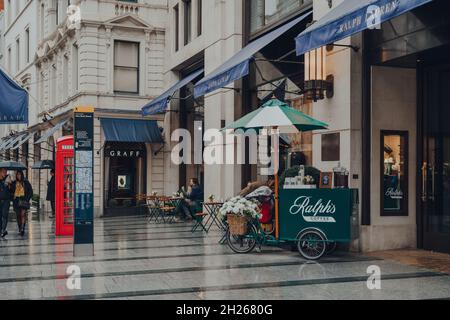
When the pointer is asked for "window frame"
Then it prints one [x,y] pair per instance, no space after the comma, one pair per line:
[404,212]
[138,68]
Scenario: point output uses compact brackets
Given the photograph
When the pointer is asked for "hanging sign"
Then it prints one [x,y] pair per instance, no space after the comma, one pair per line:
[13,102]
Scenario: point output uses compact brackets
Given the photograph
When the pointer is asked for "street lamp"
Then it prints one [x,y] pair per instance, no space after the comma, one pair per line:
[317,82]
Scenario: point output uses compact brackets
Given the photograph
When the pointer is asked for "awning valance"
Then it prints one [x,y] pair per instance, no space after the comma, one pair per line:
[126,130]
[238,66]
[350,17]
[159,105]
[50,132]
[13,102]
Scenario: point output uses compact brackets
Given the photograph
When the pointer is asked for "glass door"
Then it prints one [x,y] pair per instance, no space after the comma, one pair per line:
[435,170]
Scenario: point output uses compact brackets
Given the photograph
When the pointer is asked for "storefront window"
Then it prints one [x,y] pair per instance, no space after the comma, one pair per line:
[394,182]
[267,12]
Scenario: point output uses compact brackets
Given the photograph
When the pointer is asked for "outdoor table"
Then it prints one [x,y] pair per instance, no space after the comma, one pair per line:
[212,208]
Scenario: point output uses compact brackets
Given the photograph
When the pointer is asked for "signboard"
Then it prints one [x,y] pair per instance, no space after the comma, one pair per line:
[84,182]
[329,210]
[13,102]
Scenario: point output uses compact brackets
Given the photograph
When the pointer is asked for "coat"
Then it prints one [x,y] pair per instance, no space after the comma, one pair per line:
[27,188]
[51,189]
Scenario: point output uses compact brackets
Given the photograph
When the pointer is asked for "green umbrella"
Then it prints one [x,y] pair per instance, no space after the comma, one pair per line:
[277,114]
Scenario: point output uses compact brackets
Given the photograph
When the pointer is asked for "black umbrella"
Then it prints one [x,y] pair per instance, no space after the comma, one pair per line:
[44,165]
[12,165]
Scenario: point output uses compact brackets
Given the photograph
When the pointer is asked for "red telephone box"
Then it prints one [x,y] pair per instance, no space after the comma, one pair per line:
[64,187]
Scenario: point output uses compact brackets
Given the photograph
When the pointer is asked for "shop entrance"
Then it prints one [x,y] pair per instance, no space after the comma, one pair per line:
[435,171]
[125,176]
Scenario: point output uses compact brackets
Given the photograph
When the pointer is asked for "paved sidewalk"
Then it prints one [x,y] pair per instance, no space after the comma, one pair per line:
[137,260]
[439,262]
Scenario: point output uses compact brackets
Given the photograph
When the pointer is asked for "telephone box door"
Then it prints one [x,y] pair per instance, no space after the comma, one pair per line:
[64,187]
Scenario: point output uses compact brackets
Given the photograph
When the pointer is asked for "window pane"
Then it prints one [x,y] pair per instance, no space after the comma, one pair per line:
[395,174]
[126,54]
[265,12]
[125,79]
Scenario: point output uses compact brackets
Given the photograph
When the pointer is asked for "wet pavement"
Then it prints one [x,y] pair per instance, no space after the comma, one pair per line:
[137,260]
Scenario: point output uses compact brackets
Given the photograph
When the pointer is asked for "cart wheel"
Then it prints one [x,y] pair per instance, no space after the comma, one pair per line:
[312,244]
[331,247]
[243,244]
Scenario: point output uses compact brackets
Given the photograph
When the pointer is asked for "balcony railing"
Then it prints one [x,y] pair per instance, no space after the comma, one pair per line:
[127,6]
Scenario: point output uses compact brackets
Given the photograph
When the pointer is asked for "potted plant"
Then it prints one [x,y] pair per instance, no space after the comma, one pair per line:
[238,211]
[211,198]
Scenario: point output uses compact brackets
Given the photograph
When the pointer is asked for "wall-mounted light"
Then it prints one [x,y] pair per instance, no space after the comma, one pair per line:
[317,82]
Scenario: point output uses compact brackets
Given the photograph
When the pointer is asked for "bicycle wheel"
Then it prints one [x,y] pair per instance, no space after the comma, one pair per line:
[243,244]
[312,244]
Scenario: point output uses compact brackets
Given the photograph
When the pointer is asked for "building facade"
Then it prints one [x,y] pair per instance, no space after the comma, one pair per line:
[105,54]
[384,114]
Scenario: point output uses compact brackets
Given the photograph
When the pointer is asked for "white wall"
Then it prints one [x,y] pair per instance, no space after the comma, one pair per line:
[394,107]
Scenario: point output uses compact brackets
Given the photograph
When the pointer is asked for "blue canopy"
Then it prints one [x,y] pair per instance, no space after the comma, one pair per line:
[126,130]
[238,66]
[13,101]
[50,132]
[159,105]
[350,17]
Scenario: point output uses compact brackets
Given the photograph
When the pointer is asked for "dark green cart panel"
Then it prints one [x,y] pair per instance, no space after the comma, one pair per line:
[329,210]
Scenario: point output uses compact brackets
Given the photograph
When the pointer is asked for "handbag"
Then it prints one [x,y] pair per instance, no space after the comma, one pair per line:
[23,204]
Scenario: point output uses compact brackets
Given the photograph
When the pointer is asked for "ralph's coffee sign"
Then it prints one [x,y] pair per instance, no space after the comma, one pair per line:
[125,153]
[329,210]
[314,210]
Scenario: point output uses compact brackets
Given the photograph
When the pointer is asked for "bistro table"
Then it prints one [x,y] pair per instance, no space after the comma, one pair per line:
[212,208]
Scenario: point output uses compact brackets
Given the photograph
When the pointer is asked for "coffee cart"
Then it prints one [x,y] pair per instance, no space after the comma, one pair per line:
[312,219]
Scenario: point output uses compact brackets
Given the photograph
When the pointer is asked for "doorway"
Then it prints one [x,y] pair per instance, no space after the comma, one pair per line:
[125,177]
[435,163]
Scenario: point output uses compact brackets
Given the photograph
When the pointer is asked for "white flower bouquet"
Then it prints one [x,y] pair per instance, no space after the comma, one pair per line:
[309,180]
[241,207]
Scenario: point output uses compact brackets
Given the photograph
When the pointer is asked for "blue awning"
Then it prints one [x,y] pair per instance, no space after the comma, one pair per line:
[159,105]
[238,66]
[13,102]
[126,130]
[351,17]
[50,132]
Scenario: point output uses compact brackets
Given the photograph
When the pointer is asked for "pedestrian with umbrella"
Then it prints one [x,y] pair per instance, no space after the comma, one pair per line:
[51,192]
[5,199]
[12,191]
[22,193]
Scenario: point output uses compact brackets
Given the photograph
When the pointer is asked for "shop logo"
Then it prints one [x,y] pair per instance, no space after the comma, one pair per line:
[318,212]
[124,154]
[396,194]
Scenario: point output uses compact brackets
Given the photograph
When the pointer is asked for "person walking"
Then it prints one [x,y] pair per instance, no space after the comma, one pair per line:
[22,193]
[51,192]
[5,199]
